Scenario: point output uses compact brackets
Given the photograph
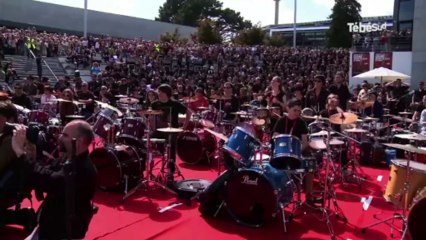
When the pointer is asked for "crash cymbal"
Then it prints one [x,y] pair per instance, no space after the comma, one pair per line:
[216,134]
[402,119]
[316,117]
[405,113]
[370,119]
[343,118]
[150,112]
[170,130]
[129,100]
[411,136]
[106,105]
[406,147]
[74,117]
[356,130]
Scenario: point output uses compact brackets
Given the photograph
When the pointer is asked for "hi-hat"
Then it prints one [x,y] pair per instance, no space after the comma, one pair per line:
[402,119]
[216,134]
[343,118]
[320,134]
[202,108]
[74,117]
[240,113]
[120,96]
[316,117]
[170,130]
[406,147]
[370,119]
[405,113]
[320,144]
[128,100]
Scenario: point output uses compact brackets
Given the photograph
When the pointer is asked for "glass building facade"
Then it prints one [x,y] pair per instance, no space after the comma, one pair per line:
[404,14]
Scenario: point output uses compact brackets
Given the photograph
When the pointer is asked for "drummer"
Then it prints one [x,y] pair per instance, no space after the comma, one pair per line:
[199,100]
[48,101]
[293,125]
[67,108]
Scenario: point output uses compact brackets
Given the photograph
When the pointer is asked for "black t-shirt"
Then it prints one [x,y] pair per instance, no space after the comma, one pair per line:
[228,107]
[22,100]
[296,127]
[172,106]
[86,96]
[343,93]
[420,108]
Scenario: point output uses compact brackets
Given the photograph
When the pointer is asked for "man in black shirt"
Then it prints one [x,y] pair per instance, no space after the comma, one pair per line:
[228,103]
[341,90]
[87,98]
[293,125]
[419,93]
[317,97]
[20,98]
[170,118]
[52,179]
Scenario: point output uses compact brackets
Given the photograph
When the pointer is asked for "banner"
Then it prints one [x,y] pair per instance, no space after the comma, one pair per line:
[383,59]
[360,63]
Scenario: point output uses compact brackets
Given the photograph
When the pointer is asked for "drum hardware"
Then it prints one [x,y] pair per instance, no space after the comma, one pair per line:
[149,178]
[404,192]
[107,106]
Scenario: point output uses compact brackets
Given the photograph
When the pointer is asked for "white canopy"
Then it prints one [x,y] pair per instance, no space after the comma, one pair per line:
[383,74]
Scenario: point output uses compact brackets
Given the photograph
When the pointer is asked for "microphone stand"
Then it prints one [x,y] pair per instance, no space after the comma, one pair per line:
[69,170]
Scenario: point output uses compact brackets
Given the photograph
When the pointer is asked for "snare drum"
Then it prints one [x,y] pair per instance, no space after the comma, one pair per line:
[208,118]
[286,152]
[397,177]
[38,117]
[116,165]
[253,196]
[103,126]
[242,146]
[132,130]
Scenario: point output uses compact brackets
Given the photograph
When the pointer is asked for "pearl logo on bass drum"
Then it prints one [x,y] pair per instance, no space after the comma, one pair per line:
[246,180]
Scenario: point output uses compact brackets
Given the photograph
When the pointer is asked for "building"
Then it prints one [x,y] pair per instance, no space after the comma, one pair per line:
[313,34]
[404,14]
[57,18]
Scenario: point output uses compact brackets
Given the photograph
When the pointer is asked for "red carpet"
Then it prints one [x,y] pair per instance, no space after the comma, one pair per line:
[138,217]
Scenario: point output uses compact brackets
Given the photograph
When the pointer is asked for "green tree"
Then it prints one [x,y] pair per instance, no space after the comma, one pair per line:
[251,36]
[343,12]
[189,12]
[208,33]
[276,40]
[173,37]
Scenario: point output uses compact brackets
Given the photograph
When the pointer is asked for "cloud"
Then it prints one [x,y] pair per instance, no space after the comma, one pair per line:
[369,8]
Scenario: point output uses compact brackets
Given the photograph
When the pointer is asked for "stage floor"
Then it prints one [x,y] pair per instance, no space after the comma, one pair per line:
[139,217]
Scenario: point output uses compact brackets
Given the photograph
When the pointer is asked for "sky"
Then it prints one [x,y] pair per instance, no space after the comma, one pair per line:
[258,11]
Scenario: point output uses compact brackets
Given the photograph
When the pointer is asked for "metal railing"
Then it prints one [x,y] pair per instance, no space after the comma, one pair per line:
[393,44]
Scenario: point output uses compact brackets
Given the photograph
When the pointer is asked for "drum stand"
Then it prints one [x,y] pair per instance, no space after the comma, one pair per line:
[397,215]
[150,178]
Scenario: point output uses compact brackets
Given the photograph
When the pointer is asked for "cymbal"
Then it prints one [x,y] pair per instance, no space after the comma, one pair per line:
[240,113]
[106,105]
[207,123]
[216,134]
[258,121]
[388,115]
[217,97]
[170,130]
[406,147]
[150,112]
[343,118]
[202,108]
[405,113]
[189,99]
[370,119]
[316,117]
[74,117]
[402,119]
[411,136]
[22,109]
[246,105]
[182,116]
[129,100]
[120,96]
[356,130]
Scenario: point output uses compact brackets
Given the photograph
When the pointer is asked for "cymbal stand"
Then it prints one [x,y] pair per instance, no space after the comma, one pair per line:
[397,215]
[149,178]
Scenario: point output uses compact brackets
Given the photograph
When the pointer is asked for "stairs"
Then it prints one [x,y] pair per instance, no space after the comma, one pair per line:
[27,66]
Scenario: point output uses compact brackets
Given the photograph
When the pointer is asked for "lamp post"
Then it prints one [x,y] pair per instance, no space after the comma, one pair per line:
[277,11]
[85,19]
[294,24]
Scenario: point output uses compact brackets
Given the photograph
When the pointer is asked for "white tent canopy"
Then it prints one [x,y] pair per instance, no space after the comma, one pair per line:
[383,74]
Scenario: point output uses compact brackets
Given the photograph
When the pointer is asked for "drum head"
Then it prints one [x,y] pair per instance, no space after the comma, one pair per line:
[416,225]
[189,147]
[286,163]
[250,198]
[108,167]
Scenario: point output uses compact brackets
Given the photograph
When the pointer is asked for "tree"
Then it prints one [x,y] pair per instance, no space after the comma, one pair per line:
[343,12]
[207,32]
[173,37]
[189,12]
[276,40]
[251,36]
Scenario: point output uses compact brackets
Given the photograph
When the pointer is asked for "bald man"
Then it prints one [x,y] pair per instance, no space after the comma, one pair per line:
[52,180]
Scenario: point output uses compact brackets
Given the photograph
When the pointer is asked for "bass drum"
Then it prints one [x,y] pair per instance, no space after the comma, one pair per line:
[116,165]
[253,196]
[193,148]
[416,226]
